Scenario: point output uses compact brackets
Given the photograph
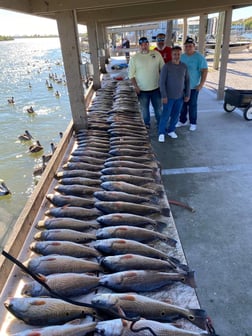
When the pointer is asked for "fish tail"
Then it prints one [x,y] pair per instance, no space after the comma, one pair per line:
[190,280]
[198,317]
[165,212]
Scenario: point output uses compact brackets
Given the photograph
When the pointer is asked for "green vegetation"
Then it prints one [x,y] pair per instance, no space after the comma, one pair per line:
[247,22]
[6,38]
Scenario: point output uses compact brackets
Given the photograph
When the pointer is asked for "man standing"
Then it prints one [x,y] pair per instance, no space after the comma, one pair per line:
[144,71]
[165,51]
[175,89]
[197,67]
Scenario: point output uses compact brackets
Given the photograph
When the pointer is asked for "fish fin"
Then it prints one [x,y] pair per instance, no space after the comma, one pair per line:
[154,199]
[165,212]
[183,267]
[170,241]
[198,317]
[168,301]
[41,277]
[189,279]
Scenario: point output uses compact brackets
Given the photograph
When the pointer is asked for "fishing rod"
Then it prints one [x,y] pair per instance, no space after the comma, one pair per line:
[54,294]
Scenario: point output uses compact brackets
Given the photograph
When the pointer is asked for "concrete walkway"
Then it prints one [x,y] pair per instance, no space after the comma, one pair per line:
[211,170]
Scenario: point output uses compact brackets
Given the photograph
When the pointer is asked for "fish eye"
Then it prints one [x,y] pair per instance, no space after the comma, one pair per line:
[191,317]
[162,313]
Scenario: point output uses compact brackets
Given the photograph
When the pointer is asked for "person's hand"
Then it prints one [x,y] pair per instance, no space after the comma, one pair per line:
[164,100]
[186,99]
[199,87]
[137,89]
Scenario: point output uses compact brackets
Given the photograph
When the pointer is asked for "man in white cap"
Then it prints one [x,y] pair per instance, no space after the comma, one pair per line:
[144,72]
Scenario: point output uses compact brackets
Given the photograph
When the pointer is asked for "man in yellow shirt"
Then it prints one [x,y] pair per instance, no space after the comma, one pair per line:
[144,72]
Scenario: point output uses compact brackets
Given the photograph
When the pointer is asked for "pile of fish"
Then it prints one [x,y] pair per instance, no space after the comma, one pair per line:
[104,237]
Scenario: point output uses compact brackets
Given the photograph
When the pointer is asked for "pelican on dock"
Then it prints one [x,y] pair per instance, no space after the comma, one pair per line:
[26,136]
[57,94]
[36,148]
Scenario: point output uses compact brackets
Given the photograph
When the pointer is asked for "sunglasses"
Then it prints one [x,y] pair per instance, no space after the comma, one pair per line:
[143,41]
[160,39]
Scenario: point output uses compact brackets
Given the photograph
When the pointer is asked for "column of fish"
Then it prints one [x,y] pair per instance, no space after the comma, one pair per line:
[105,219]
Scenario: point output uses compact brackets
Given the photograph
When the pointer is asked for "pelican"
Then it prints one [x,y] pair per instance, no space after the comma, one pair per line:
[48,156]
[4,189]
[11,100]
[30,110]
[36,147]
[39,170]
[26,136]
[57,94]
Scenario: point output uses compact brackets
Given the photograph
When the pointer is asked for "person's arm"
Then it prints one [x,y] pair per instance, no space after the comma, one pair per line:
[162,84]
[134,83]
[204,73]
[187,86]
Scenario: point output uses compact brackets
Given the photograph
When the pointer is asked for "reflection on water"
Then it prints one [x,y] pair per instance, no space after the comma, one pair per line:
[25,65]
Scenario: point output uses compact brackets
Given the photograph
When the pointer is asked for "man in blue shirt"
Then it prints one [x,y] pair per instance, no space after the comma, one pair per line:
[198,69]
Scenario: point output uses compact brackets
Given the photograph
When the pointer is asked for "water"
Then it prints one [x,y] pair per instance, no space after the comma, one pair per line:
[25,65]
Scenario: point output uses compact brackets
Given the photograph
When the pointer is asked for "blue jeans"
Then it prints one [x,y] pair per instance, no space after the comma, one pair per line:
[145,97]
[191,107]
[171,111]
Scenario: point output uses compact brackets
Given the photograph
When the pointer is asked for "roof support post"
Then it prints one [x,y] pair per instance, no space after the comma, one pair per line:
[224,53]
[101,46]
[69,40]
[93,47]
[202,33]
[217,50]
[185,28]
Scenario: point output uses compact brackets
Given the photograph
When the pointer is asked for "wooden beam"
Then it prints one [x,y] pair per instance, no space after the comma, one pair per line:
[69,40]
[224,53]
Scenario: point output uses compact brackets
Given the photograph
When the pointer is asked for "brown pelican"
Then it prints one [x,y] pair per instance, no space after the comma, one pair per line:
[11,100]
[36,147]
[57,94]
[48,156]
[39,170]
[26,136]
[30,110]
[4,189]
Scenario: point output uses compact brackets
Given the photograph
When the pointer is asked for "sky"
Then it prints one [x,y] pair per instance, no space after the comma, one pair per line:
[13,23]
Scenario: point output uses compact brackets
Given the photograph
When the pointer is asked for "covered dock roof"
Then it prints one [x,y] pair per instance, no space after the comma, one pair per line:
[99,15]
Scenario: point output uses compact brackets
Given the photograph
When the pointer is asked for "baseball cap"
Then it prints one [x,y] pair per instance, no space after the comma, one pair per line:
[143,40]
[189,40]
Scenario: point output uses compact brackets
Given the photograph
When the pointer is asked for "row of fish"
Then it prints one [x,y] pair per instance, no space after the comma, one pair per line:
[102,236]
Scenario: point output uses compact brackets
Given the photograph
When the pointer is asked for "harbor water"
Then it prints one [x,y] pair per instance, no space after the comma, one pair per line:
[25,66]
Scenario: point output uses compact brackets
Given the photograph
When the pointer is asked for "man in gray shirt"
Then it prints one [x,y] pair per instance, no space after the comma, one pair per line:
[175,90]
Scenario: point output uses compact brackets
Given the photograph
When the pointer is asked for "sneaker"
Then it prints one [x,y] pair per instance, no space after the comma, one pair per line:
[180,124]
[193,127]
[173,135]
[161,138]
